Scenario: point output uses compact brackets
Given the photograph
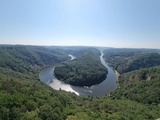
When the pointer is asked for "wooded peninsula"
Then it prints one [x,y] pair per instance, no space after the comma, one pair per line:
[85,70]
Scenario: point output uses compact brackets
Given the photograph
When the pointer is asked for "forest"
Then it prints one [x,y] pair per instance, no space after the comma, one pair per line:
[85,70]
[140,86]
[24,97]
[30,58]
[126,60]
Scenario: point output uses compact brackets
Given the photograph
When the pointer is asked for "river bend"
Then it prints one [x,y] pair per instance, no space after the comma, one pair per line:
[101,89]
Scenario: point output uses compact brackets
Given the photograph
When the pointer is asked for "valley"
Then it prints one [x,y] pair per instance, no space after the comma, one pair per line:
[102,88]
[23,96]
[85,70]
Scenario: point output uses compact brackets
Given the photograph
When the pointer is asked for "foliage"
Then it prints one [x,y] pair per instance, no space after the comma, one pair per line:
[127,61]
[24,97]
[85,70]
[141,86]
[29,58]
[28,99]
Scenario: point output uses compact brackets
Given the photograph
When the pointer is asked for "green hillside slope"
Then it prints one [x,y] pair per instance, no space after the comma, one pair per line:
[127,61]
[24,97]
[29,58]
[85,70]
[141,86]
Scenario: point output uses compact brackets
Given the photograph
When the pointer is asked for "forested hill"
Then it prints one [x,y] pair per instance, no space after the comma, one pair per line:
[24,97]
[85,70]
[140,86]
[27,58]
[83,51]
[128,60]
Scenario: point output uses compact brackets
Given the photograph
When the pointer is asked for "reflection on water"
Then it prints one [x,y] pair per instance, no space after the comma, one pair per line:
[58,85]
[105,87]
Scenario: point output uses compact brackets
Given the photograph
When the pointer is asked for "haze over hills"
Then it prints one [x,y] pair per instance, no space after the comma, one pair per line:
[40,38]
[24,96]
[131,24]
[126,60]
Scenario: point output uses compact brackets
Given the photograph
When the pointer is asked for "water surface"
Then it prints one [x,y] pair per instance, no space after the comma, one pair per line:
[105,87]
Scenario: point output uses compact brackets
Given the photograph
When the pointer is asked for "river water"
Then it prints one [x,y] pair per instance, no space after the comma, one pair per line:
[101,89]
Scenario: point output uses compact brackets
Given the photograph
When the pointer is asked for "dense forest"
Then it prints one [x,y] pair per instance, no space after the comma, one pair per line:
[24,97]
[85,70]
[126,60]
[29,58]
[141,86]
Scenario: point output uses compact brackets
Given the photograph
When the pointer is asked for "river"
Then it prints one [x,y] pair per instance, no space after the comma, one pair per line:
[98,90]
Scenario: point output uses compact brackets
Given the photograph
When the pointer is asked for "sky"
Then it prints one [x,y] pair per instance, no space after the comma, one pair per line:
[107,23]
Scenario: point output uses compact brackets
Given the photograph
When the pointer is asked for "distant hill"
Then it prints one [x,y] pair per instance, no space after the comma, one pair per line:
[133,50]
[24,97]
[26,58]
[85,70]
[129,60]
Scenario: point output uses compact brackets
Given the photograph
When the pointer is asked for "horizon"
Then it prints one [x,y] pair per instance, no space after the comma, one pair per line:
[101,23]
[75,46]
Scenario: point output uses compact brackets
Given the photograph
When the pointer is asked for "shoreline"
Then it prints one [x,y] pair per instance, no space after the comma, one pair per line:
[117,80]
[117,74]
[105,87]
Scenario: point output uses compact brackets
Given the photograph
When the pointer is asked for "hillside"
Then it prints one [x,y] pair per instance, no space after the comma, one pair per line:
[141,86]
[85,70]
[29,58]
[129,60]
[24,97]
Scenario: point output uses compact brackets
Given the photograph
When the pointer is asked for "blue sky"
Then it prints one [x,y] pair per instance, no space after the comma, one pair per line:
[112,23]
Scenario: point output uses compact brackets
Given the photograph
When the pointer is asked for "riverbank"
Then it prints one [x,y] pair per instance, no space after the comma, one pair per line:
[117,74]
[117,77]
[86,70]
[98,90]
